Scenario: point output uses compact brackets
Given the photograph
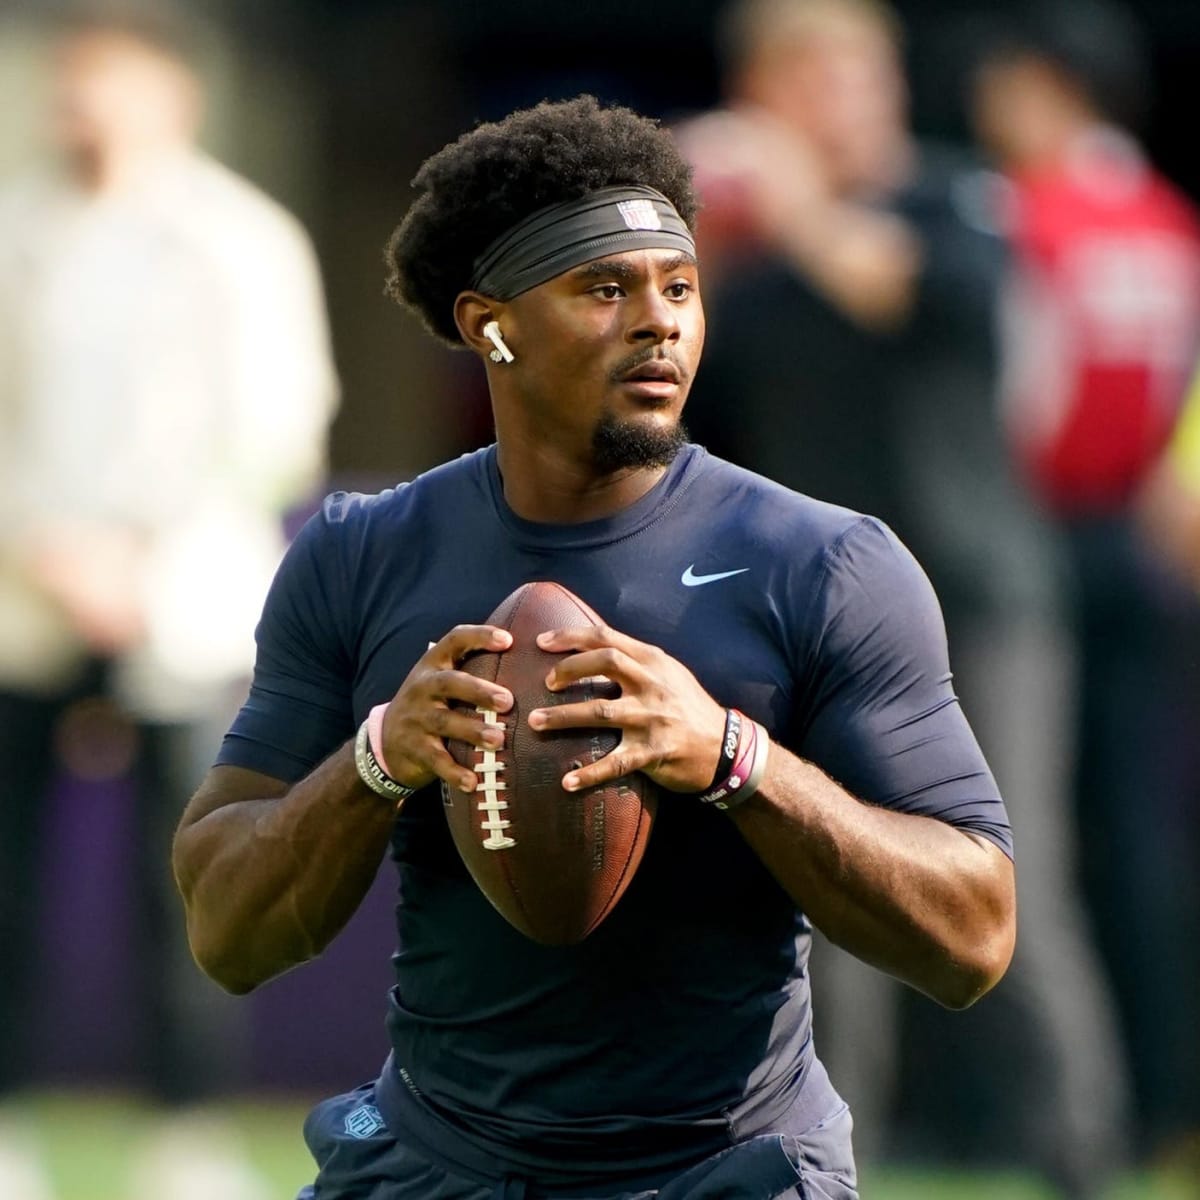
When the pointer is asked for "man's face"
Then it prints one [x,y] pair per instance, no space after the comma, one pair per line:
[110,91]
[843,89]
[606,353]
[1014,103]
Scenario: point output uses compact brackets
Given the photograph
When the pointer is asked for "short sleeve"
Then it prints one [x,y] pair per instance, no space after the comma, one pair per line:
[299,708]
[883,718]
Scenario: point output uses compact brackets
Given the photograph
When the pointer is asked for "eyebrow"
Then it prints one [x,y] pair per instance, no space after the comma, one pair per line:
[601,268]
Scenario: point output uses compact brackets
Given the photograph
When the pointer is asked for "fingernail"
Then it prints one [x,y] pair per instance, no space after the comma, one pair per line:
[501,637]
[543,638]
[467,784]
[570,782]
[537,718]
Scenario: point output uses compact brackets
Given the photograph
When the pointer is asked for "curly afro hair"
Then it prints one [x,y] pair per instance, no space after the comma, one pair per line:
[481,185]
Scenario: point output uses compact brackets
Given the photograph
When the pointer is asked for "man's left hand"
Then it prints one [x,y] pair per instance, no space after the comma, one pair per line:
[671,728]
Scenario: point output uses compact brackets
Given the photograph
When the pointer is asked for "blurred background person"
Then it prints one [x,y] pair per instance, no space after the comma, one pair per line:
[166,384]
[1103,330]
[853,356]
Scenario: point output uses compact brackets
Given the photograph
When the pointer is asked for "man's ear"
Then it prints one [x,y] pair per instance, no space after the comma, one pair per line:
[473,313]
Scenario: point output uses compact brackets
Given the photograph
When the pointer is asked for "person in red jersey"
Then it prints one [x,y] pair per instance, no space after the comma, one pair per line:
[1108,308]
[1104,322]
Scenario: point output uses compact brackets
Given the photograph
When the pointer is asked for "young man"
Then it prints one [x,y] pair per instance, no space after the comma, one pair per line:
[671,1053]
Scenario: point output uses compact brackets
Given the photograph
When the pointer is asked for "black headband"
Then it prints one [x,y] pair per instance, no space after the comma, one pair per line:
[555,239]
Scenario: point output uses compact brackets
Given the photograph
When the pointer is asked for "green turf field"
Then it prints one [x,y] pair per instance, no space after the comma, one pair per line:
[88,1142]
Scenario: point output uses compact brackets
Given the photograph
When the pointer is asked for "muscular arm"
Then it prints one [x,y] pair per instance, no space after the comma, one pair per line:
[270,874]
[865,262]
[895,881]
[928,903]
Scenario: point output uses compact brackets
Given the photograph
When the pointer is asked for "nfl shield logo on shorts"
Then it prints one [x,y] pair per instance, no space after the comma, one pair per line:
[639,214]
[363,1122]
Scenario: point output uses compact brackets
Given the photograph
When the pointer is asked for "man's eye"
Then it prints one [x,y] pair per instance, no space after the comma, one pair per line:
[607,291]
[679,291]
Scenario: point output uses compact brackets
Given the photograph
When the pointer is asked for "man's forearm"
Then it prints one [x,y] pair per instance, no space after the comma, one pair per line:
[911,895]
[866,263]
[268,881]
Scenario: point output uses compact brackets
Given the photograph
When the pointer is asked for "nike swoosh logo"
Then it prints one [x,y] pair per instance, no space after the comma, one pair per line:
[690,580]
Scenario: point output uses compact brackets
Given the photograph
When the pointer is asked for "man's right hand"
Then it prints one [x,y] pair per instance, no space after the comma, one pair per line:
[424,712]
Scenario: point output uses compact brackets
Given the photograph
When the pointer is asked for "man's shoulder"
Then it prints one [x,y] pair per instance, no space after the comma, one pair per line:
[210,204]
[220,183]
[800,534]
[822,562]
[769,509]
[444,489]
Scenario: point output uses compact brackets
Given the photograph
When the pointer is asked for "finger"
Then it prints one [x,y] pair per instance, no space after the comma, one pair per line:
[463,639]
[427,759]
[461,688]
[600,713]
[441,762]
[623,760]
[605,663]
[428,755]
[461,725]
[587,637]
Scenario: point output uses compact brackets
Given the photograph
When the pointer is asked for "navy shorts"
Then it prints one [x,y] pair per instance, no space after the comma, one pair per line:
[359,1159]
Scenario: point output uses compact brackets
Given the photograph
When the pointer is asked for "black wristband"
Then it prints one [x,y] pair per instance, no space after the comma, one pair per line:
[372,774]
[729,745]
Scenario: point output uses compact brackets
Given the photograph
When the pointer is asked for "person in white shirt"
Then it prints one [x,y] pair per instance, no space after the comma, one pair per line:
[166,385]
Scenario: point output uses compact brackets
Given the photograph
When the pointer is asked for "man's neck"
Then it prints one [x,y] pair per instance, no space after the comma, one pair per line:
[112,170]
[548,487]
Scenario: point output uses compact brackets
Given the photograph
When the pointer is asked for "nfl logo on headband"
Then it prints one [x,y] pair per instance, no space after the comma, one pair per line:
[639,214]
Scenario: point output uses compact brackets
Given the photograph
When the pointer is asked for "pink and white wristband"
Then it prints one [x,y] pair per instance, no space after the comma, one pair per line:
[369,761]
[749,764]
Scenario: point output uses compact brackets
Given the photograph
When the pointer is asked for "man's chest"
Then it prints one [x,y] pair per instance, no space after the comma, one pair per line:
[712,613]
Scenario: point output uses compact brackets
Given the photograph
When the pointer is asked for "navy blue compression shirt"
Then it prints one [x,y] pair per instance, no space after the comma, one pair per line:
[683,1022]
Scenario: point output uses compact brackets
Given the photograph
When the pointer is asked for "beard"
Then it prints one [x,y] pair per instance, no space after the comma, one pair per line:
[620,444]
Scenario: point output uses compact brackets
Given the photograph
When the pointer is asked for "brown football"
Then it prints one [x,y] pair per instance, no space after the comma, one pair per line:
[554,863]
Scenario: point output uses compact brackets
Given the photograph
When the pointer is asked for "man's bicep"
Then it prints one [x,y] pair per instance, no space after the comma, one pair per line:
[885,722]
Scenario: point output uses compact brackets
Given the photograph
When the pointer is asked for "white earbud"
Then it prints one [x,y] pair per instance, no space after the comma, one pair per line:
[502,353]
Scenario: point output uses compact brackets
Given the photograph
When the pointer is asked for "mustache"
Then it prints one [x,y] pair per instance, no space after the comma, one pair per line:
[641,357]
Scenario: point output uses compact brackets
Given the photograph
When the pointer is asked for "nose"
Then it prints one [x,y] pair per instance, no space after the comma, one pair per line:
[656,320]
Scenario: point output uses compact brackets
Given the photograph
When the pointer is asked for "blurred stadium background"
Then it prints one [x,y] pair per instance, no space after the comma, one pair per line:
[329,105]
